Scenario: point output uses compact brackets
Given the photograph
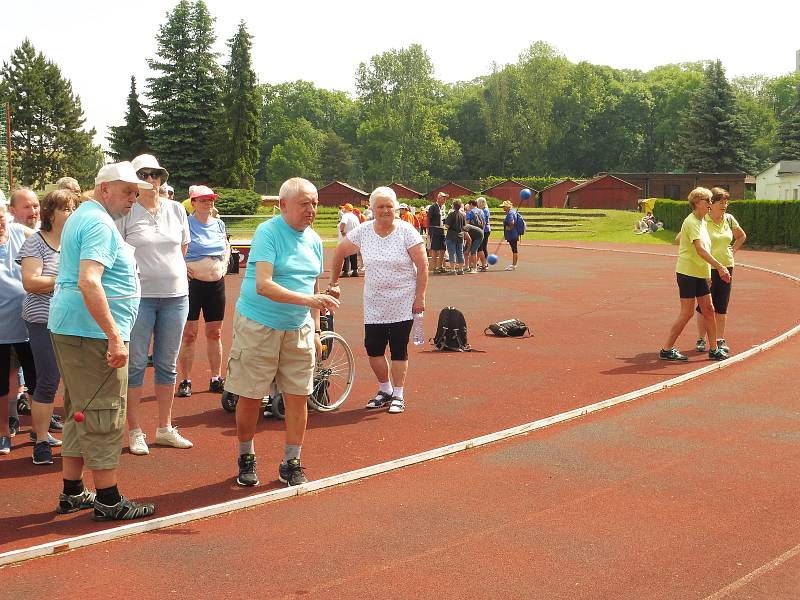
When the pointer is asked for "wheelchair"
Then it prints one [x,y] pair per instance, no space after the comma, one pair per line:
[334,374]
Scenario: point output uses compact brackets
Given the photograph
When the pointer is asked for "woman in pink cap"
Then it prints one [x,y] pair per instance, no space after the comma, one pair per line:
[206,265]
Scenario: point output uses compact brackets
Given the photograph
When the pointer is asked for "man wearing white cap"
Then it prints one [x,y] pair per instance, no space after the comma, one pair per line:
[94,306]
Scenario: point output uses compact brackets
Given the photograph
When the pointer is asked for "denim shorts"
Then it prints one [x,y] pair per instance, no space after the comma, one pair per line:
[162,320]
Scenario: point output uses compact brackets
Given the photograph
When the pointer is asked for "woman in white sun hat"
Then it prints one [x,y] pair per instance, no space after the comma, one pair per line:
[158,230]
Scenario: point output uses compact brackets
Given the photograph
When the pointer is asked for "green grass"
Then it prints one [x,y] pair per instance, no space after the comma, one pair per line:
[594,225]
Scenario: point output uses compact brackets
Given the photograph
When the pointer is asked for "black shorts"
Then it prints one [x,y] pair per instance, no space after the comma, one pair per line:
[437,241]
[208,296]
[377,335]
[720,292]
[692,287]
[513,244]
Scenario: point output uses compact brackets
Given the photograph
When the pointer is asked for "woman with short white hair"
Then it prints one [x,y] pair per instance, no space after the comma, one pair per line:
[394,291]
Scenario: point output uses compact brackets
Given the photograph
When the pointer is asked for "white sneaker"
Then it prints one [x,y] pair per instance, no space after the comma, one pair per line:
[511,268]
[137,444]
[171,437]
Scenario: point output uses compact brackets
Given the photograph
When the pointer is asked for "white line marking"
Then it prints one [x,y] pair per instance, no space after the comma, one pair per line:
[203,512]
[740,583]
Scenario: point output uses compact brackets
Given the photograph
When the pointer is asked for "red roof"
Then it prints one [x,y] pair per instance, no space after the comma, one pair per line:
[521,185]
[563,181]
[343,184]
[598,178]
[394,185]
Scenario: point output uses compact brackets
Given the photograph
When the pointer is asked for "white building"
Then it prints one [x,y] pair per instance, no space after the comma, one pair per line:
[781,181]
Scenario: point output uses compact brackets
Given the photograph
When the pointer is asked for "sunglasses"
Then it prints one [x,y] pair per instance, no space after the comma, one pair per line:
[153,174]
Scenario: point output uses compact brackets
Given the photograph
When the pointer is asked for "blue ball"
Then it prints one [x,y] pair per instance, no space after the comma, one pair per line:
[525,193]
[492,259]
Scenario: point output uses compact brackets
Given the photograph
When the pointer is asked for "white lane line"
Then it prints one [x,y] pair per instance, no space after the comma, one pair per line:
[204,512]
[740,583]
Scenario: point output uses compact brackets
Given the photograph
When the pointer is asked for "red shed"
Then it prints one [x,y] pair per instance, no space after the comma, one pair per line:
[555,194]
[453,189]
[338,193]
[509,190]
[405,192]
[605,191]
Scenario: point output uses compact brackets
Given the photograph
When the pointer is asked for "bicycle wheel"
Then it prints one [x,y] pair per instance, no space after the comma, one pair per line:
[334,374]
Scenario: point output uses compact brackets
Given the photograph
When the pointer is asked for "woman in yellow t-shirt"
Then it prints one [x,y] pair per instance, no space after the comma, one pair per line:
[693,272]
[727,236]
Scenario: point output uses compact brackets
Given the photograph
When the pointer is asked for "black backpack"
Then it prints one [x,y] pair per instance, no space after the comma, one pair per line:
[451,331]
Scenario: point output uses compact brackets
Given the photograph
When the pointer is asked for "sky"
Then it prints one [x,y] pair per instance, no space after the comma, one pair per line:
[99,44]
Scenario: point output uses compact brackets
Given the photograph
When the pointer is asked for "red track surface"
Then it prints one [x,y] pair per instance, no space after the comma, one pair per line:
[676,495]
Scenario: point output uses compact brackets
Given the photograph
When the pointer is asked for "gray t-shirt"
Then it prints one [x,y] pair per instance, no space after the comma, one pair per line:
[36,307]
[157,241]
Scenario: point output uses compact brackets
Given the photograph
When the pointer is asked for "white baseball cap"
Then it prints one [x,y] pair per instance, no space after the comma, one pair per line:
[121,171]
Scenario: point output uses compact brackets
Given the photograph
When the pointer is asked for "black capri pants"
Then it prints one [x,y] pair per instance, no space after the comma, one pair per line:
[720,292]
[513,244]
[377,335]
[208,296]
[482,247]
[24,356]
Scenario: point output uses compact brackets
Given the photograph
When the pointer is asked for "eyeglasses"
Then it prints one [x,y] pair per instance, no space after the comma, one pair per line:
[153,174]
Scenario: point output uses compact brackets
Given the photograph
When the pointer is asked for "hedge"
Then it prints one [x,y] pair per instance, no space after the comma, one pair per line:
[766,222]
[233,201]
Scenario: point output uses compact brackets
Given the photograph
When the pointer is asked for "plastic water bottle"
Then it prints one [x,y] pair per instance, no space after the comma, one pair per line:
[419,329]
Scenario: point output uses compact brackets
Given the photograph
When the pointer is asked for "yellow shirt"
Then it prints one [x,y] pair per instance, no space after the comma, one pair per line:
[187,204]
[722,237]
[689,261]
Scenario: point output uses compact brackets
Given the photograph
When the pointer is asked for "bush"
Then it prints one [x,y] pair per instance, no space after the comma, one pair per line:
[766,222]
[233,201]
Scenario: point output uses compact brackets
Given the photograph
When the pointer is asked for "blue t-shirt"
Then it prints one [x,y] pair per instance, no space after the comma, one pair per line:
[510,226]
[296,258]
[207,239]
[90,234]
[12,294]
[486,216]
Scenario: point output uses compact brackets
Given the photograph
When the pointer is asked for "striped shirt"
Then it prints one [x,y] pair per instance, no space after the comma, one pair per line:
[36,307]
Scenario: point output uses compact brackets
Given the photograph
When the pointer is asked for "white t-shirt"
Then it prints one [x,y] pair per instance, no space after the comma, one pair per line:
[350,221]
[390,279]
[157,242]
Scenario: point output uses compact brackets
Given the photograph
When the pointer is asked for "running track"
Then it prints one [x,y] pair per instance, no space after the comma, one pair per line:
[679,494]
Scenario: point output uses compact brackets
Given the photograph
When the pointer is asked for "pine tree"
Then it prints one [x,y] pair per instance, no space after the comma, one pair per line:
[48,140]
[186,105]
[129,140]
[789,132]
[239,134]
[714,137]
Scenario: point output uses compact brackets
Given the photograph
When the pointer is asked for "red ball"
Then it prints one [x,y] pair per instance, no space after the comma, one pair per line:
[79,417]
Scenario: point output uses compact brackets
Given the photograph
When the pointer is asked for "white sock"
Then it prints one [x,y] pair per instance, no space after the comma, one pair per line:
[164,429]
[386,387]
[137,430]
[398,392]
[247,447]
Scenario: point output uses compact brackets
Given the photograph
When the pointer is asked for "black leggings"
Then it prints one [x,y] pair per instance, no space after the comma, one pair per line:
[482,247]
[353,261]
[25,358]
[377,335]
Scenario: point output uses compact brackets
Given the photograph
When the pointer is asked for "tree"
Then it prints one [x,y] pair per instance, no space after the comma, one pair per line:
[402,128]
[714,137]
[130,140]
[186,99]
[297,155]
[239,134]
[336,158]
[47,137]
[789,131]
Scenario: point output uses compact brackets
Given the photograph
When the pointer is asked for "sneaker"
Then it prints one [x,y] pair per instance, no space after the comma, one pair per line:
[380,400]
[124,510]
[171,437]
[42,454]
[56,424]
[51,441]
[671,354]
[23,404]
[291,472]
[136,443]
[345,275]
[5,444]
[216,386]
[184,389]
[483,268]
[13,425]
[398,405]
[700,346]
[471,271]
[70,504]
[718,354]
[511,268]
[723,345]
[355,274]
[247,470]
[459,272]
